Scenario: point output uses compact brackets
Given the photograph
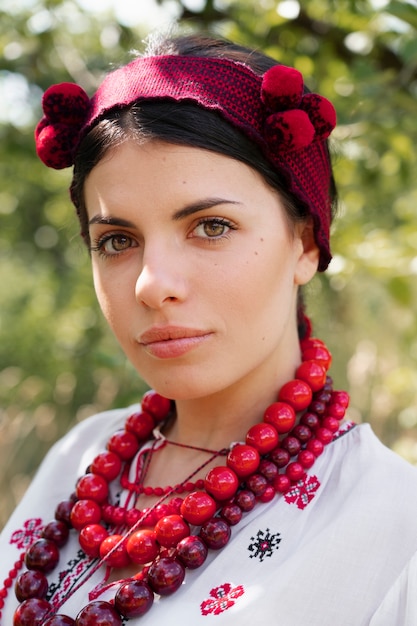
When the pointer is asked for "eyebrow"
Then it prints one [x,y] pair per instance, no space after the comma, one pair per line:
[190,209]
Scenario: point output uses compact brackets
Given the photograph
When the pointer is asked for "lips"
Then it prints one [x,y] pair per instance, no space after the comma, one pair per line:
[172,341]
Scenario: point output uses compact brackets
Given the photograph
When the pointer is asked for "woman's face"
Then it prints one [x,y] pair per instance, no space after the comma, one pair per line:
[195,266]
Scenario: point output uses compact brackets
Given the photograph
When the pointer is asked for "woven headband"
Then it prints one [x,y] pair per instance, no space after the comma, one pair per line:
[290,127]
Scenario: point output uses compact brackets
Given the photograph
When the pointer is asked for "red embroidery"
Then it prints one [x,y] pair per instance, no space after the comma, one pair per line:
[303,492]
[30,532]
[223,598]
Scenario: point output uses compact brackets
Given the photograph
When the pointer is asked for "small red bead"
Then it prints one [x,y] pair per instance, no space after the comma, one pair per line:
[306,458]
[221,483]
[107,464]
[336,410]
[142,546]
[282,483]
[132,516]
[98,613]
[140,424]
[280,457]
[198,507]
[340,397]
[155,404]
[302,432]
[63,511]
[243,460]
[311,342]
[315,446]
[267,495]
[91,537]
[215,533]
[232,513]
[42,555]
[119,556]
[263,437]
[166,575]
[92,487]
[170,530]
[191,552]
[324,435]
[161,511]
[331,423]
[312,373]
[296,393]
[133,599]
[257,483]
[281,416]
[85,512]
[310,419]
[291,444]
[295,471]
[124,444]
[268,469]
[246,500]
[56,531]
[118,516]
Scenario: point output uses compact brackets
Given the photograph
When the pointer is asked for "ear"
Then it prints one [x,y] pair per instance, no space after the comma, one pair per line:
[308,259]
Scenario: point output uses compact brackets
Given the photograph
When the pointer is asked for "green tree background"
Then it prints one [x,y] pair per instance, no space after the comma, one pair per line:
[58,362]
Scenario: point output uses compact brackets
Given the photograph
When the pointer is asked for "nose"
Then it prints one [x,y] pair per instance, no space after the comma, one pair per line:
[161,279]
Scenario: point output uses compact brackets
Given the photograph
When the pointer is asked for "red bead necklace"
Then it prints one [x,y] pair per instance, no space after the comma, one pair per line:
[275,455]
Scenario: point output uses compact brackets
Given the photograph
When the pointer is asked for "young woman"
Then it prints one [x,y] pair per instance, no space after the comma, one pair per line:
[236,492]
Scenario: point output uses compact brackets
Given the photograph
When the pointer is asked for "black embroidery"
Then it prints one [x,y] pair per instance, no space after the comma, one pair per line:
[264,544]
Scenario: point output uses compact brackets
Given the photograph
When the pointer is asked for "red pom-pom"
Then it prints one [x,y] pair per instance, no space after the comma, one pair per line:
[282,88]
[66,103]
[55,145]
[290,130]
[321,112]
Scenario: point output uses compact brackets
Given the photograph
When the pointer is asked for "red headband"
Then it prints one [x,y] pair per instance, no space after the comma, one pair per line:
[289,127]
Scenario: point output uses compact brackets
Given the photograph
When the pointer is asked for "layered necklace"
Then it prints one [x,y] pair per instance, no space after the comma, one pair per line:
[178,531]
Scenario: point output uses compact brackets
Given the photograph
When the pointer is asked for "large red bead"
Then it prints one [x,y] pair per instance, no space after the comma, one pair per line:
[56,531]
[119,556]
[31,612]
[91,537]
[312,373]
[296,393]
[170,530]
[166,575]
[85,512]
[31,584]
[124,444]
[281,415]
[215,533]
[243,459]
[98,613]
[140,424]
[133,599]
[318,353]
[221,482]
[192,552]
[156,405]
[59,620]
[107,464]
[198,507]
[142,546]
[263,437]
[42,555]
[92,487]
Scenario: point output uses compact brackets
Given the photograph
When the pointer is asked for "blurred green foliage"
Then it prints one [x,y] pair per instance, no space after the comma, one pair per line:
[58,362]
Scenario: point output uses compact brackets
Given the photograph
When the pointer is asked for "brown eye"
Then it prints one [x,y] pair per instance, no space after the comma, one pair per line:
[117,243]
[214,229]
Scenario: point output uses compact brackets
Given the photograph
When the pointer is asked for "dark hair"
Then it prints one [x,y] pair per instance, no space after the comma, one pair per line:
[183,123]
